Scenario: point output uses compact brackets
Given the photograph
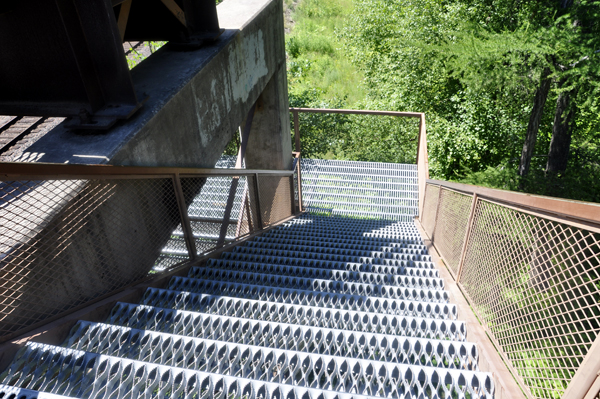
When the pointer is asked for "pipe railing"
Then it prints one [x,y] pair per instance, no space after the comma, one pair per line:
[421,159]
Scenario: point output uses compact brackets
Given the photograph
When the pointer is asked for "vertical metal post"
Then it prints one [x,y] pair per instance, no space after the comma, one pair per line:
[292,199]
[421,209]
[300,205]
[188,235]
[243,208]
[296,130]
[227,213]
[437,211]
[463,252]
[422,164]
[123,17]
[249,212]
[82,52]
[257,196]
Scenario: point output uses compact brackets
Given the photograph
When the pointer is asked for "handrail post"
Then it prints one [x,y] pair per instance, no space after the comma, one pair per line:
[292,199]
[296,129]
[297,161]
[186,226]
[300,204]
[257,198]
[463,251]
[243,207]
[227,213]
[435,219]
[422,164]
[587,377]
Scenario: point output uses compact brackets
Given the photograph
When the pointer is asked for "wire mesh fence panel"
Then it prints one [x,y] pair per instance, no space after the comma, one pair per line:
[66,242]
[246,222]
[451,226]
[214,209]
[535,283]
[275,194]
[429,208]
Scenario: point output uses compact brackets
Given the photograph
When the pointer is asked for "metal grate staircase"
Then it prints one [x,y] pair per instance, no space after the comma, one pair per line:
[320,307]
[373,190]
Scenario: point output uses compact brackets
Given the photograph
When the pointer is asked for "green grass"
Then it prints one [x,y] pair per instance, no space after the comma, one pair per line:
[316,59]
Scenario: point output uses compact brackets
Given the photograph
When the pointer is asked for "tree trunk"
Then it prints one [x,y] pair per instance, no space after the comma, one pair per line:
[534,122]
[564,119]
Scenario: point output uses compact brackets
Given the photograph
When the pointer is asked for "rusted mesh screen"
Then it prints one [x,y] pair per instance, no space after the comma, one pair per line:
[451,226]
[275,198]
[431,201]
[213,213]
[219,212]
[66,242]
[535,283]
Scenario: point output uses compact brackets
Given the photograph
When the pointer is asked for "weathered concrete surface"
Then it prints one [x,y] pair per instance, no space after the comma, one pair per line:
[269,142]
[196,100]
[270,147]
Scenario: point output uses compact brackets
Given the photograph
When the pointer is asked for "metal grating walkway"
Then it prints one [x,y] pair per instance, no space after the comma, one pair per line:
[320,307]
[372,190]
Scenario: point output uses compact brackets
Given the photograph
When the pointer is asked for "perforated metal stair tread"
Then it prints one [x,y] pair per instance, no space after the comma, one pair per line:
[367,272]
[190,323]
[318,308]
[310,285]
[295,301]
[201,353]
[180,350]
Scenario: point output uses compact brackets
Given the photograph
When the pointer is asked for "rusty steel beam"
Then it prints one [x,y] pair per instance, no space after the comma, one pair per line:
[66,58]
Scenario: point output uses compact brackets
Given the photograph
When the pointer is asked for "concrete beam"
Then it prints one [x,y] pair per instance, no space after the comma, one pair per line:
[195,100]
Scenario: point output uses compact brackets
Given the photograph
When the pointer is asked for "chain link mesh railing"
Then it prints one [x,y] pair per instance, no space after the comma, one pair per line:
[432,194]
[276,196]
[536,283]
[451,226]
[532,278]
[66,241]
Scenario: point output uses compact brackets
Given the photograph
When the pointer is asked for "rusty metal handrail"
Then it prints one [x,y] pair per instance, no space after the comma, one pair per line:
[422,161]
[503,247]
[19,171]
[569,210]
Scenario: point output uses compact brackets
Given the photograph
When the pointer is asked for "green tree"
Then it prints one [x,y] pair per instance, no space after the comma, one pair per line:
[500,81]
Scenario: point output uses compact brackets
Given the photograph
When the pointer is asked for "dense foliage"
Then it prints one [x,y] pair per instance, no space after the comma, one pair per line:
[476,68]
